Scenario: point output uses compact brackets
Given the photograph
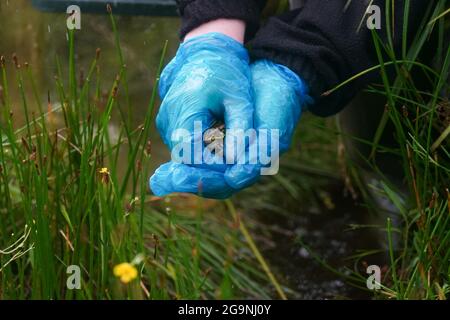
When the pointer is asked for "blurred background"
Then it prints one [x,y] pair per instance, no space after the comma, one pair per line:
[39,38]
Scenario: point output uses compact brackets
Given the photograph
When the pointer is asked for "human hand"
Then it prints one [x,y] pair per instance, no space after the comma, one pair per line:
[279,97]
[208,80]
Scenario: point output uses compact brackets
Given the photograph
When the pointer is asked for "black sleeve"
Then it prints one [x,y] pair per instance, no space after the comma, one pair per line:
[324,44]
[196,12]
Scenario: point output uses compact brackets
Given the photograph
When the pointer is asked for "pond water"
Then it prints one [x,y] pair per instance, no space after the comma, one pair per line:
[37,38]
[329,237]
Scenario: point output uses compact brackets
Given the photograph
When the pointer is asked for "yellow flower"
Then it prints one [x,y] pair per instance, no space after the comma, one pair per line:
[126,272]
[104,175]
[104,171]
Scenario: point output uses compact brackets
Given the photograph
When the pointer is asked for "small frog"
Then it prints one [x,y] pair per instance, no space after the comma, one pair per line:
[214,137]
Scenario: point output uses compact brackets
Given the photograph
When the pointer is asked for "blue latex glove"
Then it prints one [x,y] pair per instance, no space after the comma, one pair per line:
[208,80]
[177,177]
[279,97]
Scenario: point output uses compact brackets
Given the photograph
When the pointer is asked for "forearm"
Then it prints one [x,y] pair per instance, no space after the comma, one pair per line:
[195,13]
[230,27]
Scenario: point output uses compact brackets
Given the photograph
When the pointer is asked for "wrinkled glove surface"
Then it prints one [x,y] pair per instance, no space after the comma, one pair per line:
[278,94]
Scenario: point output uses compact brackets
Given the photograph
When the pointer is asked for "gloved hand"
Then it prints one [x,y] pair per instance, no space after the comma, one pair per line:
[177,177]
[208,80]
[279,97]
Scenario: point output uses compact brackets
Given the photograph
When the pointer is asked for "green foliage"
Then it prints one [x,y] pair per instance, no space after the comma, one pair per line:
[418,112]
[63,200]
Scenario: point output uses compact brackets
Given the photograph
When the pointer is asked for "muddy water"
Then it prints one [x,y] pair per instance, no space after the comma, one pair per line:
[306,231]
[39,37]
